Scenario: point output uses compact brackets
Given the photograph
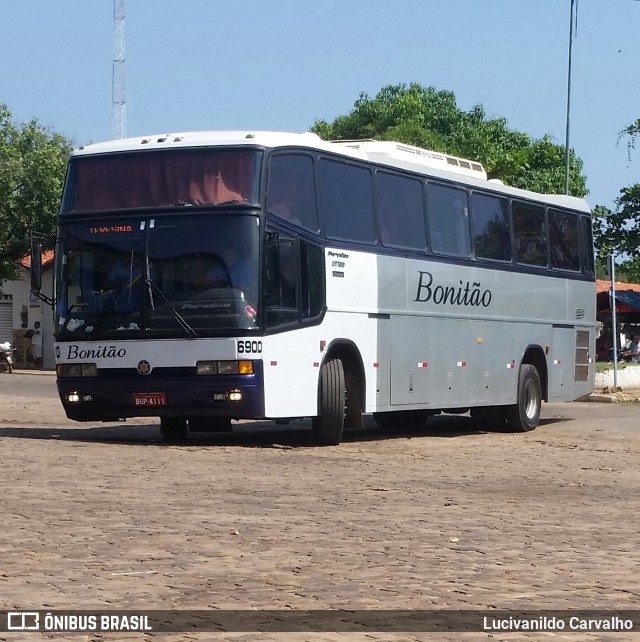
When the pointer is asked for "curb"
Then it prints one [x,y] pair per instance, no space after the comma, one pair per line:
[613,397]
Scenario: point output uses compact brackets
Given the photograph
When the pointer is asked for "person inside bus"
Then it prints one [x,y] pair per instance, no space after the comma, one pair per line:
[123,274]
[239,268]
[213,273]
[125,280]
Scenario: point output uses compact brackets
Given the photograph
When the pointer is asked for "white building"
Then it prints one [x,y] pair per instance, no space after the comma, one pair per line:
[19,311]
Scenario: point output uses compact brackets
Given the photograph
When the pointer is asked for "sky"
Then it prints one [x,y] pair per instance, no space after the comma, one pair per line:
[282,64]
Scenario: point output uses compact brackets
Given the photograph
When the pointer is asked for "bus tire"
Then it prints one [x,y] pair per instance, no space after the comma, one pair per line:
[174,428]
[524,415]
[328,426]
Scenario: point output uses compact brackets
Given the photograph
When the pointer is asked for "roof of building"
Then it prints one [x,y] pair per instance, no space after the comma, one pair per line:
[605,286]
[47,259]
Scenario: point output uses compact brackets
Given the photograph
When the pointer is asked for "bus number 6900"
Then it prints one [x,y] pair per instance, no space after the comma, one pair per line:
[249,347]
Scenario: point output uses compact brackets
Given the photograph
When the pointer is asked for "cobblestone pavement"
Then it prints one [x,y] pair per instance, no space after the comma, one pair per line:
[109,517]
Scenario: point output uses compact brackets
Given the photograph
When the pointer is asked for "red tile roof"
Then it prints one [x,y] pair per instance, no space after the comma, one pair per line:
[605,286]
[47,259]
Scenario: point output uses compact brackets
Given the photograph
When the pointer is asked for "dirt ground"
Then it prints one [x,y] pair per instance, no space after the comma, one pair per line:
[456,517]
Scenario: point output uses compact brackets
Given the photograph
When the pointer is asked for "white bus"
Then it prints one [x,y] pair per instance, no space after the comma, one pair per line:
[215,276]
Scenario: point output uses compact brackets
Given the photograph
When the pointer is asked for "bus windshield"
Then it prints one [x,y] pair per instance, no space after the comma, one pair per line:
[174,178]
[162,276]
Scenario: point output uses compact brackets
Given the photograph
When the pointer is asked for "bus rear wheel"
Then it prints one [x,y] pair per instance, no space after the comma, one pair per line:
[174,428]
[328,426]
[524,415]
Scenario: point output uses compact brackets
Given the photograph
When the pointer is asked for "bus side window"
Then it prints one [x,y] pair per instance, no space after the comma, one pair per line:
[312,268]
[280,279]
[490,222]
[400,211]
[564,240]
[530,233]
[448,213]
[291,190]
[586,244]
[346,201]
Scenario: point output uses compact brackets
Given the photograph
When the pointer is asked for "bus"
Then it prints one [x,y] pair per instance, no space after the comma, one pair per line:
[207,277]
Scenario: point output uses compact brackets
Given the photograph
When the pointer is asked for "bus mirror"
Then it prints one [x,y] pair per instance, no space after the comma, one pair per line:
[36,267]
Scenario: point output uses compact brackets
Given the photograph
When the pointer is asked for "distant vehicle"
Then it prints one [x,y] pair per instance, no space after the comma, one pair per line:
[205,277]
[6,357]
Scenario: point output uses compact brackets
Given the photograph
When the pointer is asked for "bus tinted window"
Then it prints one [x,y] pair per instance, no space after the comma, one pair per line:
[346,201]
[162,179]
[312,268]
[400,211]
[448,220]
[530,234]
[491,230]
[586,244]
[291,190]
[280,279]
[564,240]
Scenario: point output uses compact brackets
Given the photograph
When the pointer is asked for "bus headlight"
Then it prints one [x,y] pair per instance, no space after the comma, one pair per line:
[207,367]
[224,367]
[227,367]
[77,370]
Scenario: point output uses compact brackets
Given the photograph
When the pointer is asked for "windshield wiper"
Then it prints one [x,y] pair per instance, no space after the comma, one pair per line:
[191,333]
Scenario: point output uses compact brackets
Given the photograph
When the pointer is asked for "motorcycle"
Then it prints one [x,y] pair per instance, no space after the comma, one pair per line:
[6,357]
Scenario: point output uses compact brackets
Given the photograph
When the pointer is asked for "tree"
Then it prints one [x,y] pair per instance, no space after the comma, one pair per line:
[32,169]
[425,117]
[632,131]
[618,231]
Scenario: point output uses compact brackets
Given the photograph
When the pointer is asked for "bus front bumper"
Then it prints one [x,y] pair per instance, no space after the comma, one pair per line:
[110,399]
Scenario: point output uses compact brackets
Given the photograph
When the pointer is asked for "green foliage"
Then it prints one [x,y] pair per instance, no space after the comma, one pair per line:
[632,132]
[618,232]
[428,118]
[32,169]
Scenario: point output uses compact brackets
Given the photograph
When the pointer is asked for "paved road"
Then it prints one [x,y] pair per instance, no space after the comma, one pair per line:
[110,517]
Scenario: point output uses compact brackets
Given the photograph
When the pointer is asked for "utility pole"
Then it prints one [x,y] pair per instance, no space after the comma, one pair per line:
[118,96]
[566,143]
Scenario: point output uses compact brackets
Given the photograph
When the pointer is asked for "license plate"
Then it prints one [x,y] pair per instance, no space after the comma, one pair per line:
[149,399]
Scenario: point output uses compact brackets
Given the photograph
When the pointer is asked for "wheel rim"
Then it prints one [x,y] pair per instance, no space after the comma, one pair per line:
[531,399]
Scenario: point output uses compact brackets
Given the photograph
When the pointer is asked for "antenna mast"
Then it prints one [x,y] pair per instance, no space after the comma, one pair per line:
[118,99]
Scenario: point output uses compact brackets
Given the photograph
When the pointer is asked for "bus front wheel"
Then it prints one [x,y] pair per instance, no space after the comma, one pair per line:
[524,415]
[328,426]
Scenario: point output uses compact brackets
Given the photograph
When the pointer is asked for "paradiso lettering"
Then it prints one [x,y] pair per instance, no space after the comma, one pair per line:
[99,352]
[467,294]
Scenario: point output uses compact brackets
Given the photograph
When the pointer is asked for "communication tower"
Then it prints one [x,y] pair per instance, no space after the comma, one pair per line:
[118,96]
